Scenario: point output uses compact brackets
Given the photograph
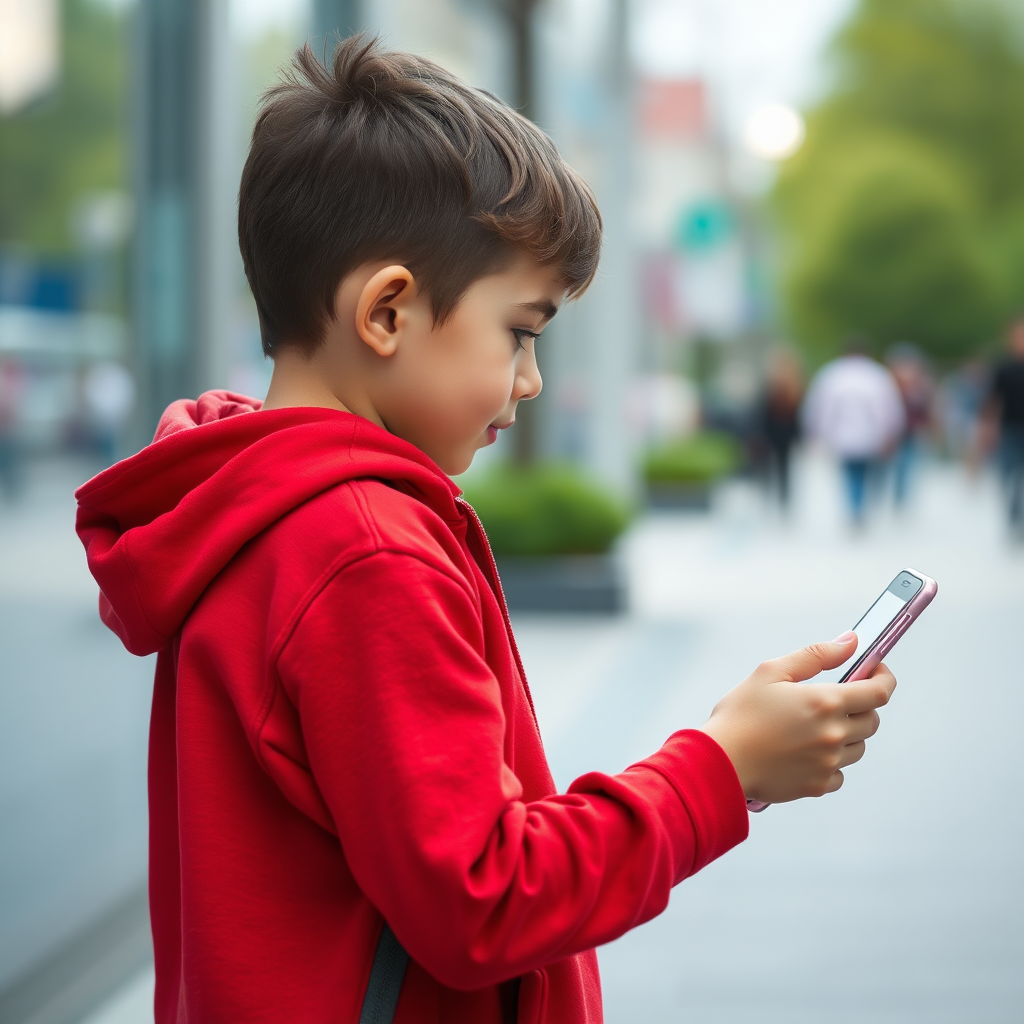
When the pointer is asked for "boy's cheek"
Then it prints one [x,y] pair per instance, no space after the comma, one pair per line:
[480,407]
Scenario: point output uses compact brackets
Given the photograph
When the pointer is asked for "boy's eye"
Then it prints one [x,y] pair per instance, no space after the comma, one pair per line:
[519,333]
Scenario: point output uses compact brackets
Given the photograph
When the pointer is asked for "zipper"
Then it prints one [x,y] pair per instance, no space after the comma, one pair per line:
[499,592]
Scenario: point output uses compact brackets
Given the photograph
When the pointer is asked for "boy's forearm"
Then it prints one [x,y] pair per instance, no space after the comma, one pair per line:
[705,782]
[558,875]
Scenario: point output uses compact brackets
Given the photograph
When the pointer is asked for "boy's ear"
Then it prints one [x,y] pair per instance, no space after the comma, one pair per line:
[383,306]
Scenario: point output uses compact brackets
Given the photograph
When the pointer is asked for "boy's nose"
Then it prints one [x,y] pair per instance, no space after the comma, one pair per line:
[528,379]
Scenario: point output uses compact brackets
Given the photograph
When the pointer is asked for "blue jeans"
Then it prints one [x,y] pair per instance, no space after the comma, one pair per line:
[904,464]
[857,474]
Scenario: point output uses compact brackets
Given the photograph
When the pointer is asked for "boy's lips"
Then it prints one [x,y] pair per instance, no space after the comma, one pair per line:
[492,430]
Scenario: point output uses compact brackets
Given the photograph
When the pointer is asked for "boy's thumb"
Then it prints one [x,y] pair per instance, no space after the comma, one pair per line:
[810,660]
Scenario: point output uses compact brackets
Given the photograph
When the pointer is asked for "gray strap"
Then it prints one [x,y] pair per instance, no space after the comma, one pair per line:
[386,976]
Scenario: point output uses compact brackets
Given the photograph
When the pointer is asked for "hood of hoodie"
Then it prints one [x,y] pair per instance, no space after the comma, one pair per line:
[159,526]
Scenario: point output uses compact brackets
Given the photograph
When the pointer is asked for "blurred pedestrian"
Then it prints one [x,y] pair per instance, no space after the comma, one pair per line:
[108,395]
[777,422]
[1004,421]
[913,378]
[854,410]
[961,401]
[11,386]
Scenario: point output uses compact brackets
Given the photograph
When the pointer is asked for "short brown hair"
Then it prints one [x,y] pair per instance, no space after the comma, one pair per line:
[388,156]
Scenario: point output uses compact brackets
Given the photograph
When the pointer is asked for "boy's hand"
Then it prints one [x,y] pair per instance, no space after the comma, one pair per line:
[788,741]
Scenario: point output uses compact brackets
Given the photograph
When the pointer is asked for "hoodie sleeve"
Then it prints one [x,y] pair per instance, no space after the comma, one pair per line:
[404,731]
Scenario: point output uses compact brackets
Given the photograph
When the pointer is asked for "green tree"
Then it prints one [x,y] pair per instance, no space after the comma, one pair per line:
[898,257]
[73,141]
[904,212]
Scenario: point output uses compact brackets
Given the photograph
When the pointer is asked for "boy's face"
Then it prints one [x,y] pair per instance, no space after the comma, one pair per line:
[449,389]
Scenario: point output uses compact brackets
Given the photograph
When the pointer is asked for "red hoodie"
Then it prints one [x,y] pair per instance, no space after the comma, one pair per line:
[342,734]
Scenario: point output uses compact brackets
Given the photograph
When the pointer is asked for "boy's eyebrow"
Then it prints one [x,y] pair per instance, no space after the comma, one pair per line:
[545,307]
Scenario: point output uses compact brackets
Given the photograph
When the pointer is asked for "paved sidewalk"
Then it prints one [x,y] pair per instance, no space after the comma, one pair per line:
[74,711]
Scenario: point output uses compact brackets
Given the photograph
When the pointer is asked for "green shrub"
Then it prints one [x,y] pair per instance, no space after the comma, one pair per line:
[545,510]
[700,458]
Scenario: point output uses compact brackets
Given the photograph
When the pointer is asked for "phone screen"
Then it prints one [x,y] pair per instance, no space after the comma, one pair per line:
[875,621]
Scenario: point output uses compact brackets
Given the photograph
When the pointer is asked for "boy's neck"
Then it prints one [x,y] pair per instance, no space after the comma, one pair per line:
[299,381]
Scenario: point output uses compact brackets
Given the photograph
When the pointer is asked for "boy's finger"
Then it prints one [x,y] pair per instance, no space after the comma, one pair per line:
[852,753]
[808,661]
[867,694]
[862,726]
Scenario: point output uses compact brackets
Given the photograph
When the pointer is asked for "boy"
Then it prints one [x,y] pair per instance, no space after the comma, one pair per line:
[350,804]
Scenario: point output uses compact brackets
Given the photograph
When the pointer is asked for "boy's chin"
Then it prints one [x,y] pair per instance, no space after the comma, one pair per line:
[454,463]
[456,466]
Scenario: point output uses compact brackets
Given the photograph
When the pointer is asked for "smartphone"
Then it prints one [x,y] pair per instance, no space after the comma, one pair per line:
[878,629]
[885,622]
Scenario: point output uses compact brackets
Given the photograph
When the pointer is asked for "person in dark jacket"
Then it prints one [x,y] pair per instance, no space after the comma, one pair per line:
[777,422]
[1005,423]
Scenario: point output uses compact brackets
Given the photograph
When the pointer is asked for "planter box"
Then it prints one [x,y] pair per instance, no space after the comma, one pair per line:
[679,497]
[591,584]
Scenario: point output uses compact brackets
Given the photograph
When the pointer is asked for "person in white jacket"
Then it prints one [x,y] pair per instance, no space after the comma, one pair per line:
[854,410]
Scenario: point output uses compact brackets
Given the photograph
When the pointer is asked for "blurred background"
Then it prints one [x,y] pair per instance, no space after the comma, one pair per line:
[800,370]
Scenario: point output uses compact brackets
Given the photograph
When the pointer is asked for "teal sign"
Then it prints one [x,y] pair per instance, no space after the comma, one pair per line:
[704,226]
